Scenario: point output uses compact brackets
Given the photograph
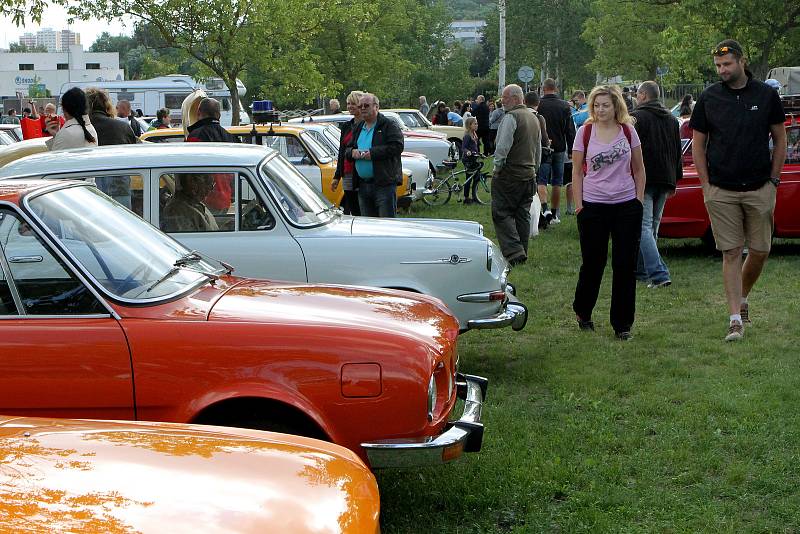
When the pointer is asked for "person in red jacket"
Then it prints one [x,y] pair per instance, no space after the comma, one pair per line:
[30,124]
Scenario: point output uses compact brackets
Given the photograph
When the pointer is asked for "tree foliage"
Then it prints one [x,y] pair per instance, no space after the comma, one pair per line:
[545,34]
[225,36]
[632,38]
[20,47]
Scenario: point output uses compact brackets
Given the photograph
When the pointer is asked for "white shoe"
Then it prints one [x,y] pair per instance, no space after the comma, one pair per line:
[555,220]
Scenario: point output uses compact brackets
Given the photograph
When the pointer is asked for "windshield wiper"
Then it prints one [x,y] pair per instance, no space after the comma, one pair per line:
[181,263]
[326,210]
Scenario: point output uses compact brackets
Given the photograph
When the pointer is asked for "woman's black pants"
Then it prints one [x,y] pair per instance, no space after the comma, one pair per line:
[623,223]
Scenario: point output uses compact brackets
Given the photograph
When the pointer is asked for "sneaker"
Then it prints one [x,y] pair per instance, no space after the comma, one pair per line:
[735,331]
[625,335]
[744,311]
[548,215]
[585,325]
[656,285]
[555,220]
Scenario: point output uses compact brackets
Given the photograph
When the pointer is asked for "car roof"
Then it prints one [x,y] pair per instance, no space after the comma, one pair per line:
[140,155]
[278,127]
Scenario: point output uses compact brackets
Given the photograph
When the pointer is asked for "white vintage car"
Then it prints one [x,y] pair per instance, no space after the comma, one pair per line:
[414,119]
[246,204]
[432,145]
[418,166]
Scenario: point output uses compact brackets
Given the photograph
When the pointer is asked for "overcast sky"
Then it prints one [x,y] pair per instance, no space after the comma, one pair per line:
[55,17]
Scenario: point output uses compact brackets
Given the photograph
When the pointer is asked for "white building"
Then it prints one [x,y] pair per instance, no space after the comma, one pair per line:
[18,71]
[467,32]
[54,41]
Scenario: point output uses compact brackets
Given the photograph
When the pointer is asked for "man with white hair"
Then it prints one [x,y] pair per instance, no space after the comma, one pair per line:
[516,161]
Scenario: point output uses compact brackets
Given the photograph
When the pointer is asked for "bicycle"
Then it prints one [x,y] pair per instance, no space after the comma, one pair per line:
[438,191]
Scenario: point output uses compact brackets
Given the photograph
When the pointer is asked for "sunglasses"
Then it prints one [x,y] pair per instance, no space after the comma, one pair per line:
[364,106]
[723,50]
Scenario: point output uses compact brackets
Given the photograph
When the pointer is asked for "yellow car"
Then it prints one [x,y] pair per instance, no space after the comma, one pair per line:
[313,159]
[59,475]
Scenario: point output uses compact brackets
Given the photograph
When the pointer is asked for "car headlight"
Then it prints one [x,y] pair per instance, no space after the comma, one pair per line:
[432,393]
[489,257]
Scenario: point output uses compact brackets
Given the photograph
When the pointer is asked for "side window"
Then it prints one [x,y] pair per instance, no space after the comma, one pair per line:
[290,147]
[197,202]
[409,119]
[7,306]
[44,283]
[253,213]
[125,189]
[793,145]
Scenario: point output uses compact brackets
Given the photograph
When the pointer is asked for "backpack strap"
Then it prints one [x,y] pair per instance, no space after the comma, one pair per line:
[587,134]
[627,131]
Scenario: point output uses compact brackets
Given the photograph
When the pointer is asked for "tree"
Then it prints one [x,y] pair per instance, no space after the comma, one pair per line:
[225,36]
[20,47]
[25,11]
[545,34]
[769,30]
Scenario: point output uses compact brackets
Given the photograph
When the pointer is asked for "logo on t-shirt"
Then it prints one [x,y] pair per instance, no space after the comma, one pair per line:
[617,152]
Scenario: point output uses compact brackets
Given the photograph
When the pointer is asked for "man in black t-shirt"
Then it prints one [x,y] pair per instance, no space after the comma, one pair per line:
[732,122]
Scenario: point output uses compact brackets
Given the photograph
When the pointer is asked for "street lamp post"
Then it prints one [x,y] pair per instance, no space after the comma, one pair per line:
[501,75]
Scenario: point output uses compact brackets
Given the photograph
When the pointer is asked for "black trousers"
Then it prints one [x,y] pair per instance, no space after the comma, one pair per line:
[349,203]
[623,223]
[511,204]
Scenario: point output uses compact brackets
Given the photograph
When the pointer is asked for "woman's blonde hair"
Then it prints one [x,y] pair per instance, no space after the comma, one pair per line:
[100,101]
[354,96]
[468,122]
[620,109]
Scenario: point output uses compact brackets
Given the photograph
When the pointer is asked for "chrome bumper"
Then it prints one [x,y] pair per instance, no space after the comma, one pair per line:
[464,435]
[513,314]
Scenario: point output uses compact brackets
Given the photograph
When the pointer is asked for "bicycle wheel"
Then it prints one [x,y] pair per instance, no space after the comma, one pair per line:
[438,193]
[483,193]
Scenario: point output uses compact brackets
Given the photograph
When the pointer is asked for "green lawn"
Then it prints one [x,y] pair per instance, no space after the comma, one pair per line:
[673,431]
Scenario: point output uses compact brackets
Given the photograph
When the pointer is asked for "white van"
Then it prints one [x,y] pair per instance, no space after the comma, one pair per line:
[167,92]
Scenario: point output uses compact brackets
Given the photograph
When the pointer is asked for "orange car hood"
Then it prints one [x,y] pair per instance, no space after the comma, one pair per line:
[91,476]
[362,308]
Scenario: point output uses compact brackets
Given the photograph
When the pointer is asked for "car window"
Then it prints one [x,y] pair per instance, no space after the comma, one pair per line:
[409,120]
[197,202]
[6,138]
[294,194]
[125,255]
[127,189]
[166,139]
[793,145]
[45,285]
[253,213]
[7,306]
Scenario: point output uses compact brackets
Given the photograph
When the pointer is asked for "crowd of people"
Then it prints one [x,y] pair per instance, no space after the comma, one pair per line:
[617,152]
[622,151]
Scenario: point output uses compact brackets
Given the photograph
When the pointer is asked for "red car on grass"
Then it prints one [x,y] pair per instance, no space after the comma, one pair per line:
[685,214]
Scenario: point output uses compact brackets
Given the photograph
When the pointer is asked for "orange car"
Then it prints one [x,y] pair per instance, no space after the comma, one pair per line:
[60,475]
[103,316]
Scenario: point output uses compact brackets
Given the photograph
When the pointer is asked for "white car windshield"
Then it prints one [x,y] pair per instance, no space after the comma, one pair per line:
[297,198]
[128,257]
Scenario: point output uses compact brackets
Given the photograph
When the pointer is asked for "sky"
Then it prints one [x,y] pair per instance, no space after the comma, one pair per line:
[55,17]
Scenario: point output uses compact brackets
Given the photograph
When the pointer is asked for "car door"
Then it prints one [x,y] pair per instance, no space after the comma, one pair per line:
[62,352]
[292,149]
[231,221]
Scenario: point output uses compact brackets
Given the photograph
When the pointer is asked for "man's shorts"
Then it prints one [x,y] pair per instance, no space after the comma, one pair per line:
[552,173]
[741,217]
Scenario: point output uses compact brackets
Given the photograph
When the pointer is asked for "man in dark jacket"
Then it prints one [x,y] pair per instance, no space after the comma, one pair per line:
[480,110]
[376,148]
[561,131]
[659,132]
[732,123]
[207,129]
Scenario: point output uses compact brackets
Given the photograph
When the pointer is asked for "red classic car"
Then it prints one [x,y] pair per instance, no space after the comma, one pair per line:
[685,213]
[61,475]
[103,316]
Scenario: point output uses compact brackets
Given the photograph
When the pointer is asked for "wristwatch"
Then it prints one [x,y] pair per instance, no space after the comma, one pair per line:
[776,181]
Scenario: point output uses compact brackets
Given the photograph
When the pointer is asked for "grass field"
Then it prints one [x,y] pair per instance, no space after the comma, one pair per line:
[673,431]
